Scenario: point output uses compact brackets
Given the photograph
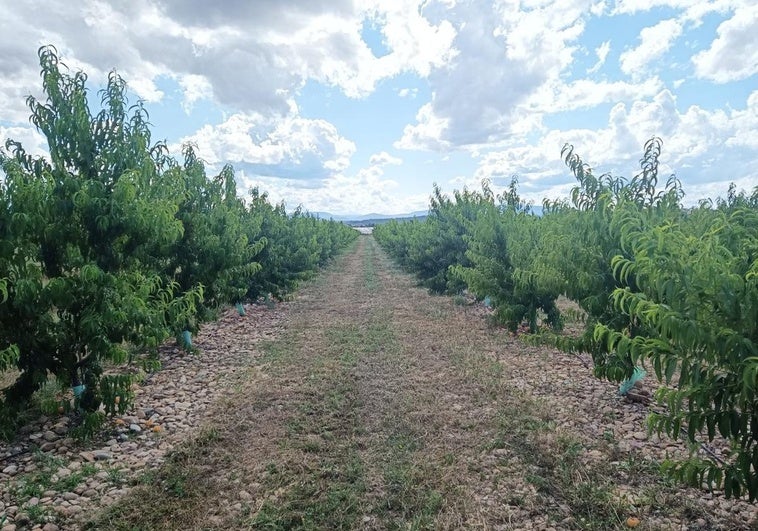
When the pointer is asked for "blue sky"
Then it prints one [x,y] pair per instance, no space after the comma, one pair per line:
[358,106]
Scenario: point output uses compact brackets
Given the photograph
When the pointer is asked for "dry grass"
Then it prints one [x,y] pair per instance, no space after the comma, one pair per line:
[381,407]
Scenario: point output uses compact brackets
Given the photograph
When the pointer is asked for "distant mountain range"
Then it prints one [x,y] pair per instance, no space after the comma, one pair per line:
[372,219]
[369,217]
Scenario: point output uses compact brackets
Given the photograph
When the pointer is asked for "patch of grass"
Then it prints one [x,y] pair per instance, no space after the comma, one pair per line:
[167,497]
[38,514]
[35,483]
[370,278]
[410,500]
[557,472]
[328,493]
[116,476]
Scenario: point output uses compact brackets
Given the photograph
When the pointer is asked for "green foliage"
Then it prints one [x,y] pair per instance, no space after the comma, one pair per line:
[661,285]
[693,285]
[502,248]
[215,251]
[108,246]
[581,239]
[76,232]
[434,247]
[295,247]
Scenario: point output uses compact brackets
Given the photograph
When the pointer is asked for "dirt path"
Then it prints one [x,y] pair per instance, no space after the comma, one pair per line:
[380,407]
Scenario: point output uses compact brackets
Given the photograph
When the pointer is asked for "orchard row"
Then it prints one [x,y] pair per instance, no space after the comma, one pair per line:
[109,245]
[661,286]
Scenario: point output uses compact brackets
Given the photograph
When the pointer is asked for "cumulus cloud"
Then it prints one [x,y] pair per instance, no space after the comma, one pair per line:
[504,55]
[252,56]
[293,148]
[384,158]
[367,190]
[33,142]
[706,149]
[654,42]
[733,55]
[195,88]
[585,93]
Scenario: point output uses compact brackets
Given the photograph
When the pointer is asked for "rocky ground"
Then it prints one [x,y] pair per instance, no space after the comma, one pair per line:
[363,404]
[50,481]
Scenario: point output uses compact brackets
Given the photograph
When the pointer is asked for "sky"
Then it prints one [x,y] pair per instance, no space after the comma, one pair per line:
[357,107]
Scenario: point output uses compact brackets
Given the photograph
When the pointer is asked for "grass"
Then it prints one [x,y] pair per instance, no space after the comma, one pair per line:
[170,493]
[328,493]
[34,483]
[380,407]
[559,475]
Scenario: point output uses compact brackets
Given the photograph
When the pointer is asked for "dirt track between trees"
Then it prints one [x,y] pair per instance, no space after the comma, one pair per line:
[368,404]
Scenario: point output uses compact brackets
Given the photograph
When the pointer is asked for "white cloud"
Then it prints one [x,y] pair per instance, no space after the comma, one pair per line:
[585,93]
[427,133]
[733,55]
[504,55]
[251,56]
[294,148]
[195,88]
[602,53]
[654,42]
[365,191]
[384,158]
[706,149]
[33,142]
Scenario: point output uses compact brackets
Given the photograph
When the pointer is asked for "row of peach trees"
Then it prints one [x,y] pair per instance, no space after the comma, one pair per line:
[109,246]
[661,286]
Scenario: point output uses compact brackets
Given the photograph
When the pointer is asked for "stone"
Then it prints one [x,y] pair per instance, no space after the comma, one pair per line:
[50,436]
[102,455]
[33,501]
[135,428]
[640,435]
[10,470]
[50,527]
[87,456]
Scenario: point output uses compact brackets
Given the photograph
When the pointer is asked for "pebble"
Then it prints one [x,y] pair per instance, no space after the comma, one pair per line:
[176,396]
[87,456]
[33,501]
